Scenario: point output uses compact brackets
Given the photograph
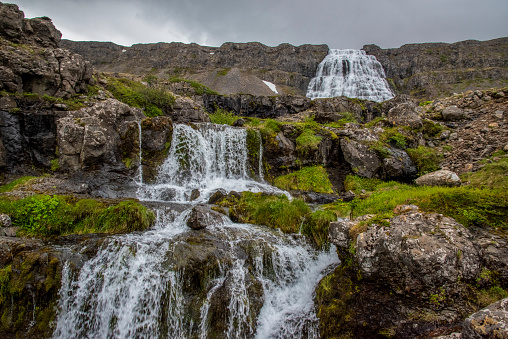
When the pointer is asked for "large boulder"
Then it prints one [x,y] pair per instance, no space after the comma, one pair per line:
[439,178]
[187,110]
[364,161]
[405,114]
[453,113]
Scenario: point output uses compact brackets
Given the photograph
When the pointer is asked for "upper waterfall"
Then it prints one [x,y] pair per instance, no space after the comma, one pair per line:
[351,73]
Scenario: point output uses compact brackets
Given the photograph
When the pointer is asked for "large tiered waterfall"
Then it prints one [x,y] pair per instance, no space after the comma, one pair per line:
[226,281]
[350,73]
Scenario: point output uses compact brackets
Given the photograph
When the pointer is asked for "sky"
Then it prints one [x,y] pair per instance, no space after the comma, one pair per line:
[337,23]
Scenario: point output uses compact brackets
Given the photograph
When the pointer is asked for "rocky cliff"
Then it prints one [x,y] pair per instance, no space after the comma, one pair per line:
[439,69]
[30,60]
[230,68]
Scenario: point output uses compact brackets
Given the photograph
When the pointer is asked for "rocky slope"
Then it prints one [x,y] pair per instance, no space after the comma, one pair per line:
[430,70]
[230,68]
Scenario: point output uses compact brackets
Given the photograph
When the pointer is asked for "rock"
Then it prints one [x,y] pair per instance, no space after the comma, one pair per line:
[7,103]
[439,178]
[491,322]
[218,196]
[239,123]
[5,220]
[505,148]
[453,113]
[499,114]
[315,198]
[362,160]
[194,194]
[31,60]
[106,134]
[9,231]
[187,110]
[405,114]
[494,125]
[499,95]
[201,217]
[399,164]
[157,135]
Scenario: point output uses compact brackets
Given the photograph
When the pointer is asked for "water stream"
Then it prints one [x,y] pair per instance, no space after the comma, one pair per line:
[351,73]
[226,281]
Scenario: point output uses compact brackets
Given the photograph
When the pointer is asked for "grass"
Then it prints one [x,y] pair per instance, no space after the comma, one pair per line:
[154,101]
[10,186]
[223,117]
[45,215]
[469,206]
[492,175]
[199,88]
[313,178]
[345,117]
[307,141]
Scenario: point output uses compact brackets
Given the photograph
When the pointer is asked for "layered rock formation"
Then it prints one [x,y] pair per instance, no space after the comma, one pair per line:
[438,69]
[31,61]
[230,68]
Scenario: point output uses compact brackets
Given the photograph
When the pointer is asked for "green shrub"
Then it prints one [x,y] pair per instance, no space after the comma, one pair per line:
[312,178]
[269,127]
[281,213]
[307,141]
[426,159]
[223,117]
[431,129]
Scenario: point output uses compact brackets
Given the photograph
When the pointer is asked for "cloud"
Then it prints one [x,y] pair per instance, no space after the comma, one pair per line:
[339,24]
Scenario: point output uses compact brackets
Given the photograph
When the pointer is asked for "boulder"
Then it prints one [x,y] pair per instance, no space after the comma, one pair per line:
[201,217]
[9,231]
[453,113]
[405,114]
[439,178]
[187,110]
[491,322]
[364,161]
[399,164]
[217,196]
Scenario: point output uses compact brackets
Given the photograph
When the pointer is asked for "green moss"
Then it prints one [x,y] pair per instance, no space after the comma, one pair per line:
[316,227]
[44,215]
[312,178]
[426,159]
[223,71]
[307,141]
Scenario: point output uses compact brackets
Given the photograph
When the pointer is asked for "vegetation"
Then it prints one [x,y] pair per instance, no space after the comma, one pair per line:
[45,215]
[10,186]
[154,100]
[199,88]
[307,141]
[223,117]
[426,159]
[492,175]
[312,178]
[346,117]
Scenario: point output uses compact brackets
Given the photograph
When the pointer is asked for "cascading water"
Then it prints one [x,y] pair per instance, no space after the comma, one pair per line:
[226,281]
[206,158]
[350,73]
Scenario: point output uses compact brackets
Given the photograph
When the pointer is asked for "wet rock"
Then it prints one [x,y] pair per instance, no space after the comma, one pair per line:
[453,113]
[5,220]
[239,123]
[168,194]
[491,322]
[218,196]
[202,217]
[315,198]
[439,178]
[194,194]
[157,135]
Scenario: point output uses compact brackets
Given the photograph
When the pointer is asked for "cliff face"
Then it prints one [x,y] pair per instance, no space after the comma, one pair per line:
[30,60]
[438,69]
[289,67]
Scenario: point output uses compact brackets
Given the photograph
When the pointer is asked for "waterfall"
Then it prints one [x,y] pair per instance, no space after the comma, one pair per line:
[140,168]
[261,173]
[206,158]
[350,73]
[226,281]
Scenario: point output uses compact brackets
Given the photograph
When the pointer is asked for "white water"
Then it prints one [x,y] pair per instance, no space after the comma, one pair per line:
[140,168]
[350,73]
[130,289]
[207,158]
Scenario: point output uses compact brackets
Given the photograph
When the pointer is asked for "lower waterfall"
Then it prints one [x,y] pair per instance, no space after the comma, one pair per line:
[226,281]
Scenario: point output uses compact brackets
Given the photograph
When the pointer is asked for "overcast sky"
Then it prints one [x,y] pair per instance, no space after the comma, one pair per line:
[337,23]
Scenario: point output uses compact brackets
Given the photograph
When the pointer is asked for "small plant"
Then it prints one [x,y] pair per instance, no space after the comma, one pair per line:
[437,299]
[312,178]
[307,141]
[426,159]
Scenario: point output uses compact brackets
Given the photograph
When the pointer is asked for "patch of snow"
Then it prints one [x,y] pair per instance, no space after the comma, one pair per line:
[124,50]
[212,53]
[271,86]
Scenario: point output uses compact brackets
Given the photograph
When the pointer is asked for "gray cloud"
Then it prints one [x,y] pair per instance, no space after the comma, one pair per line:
[339,23]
